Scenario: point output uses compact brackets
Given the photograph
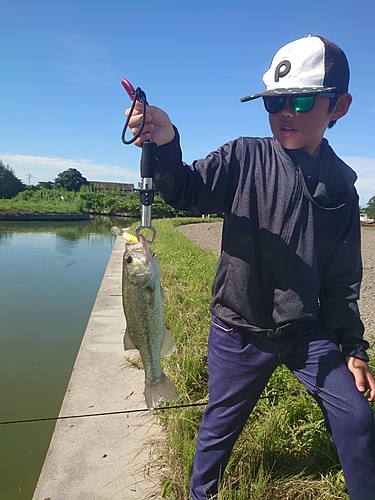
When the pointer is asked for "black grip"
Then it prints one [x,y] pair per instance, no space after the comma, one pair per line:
[148,160]
[147,197]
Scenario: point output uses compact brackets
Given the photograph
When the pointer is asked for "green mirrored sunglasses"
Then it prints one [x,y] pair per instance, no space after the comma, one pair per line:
[299,104]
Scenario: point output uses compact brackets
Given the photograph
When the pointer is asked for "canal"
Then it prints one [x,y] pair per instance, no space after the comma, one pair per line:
[50,273]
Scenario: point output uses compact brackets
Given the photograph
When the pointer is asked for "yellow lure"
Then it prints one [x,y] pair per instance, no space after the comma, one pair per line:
[130,237]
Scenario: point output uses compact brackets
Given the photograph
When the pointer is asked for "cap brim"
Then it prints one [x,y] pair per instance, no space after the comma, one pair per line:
[291,91]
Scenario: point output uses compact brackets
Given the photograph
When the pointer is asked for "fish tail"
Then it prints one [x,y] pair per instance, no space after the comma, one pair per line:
[159,391]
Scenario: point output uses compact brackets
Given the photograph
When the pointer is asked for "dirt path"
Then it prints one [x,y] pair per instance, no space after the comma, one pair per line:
[208,235]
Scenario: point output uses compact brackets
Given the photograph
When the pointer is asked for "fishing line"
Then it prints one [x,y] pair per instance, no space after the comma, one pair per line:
[125,412]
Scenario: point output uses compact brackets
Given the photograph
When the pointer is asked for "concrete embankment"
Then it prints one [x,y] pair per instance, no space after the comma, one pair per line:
[111,457]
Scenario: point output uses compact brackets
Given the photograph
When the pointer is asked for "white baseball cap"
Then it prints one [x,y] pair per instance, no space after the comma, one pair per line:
[309,65]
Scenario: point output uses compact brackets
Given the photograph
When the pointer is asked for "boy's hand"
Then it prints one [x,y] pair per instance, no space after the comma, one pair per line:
[158,127]
[364,379]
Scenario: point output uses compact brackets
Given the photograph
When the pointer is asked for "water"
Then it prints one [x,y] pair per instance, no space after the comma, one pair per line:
[50,273]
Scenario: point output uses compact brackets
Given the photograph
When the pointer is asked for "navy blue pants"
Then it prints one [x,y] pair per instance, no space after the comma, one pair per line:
[239,367]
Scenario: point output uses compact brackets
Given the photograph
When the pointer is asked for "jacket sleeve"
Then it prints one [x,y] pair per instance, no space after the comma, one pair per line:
[340,288]
[206,186]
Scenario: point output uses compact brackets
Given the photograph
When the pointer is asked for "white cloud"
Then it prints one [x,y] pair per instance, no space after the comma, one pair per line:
[46,168]
[365,169]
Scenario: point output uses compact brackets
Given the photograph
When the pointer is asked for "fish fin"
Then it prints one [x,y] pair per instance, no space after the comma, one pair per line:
[157,392]
[168,345]
[128,341]
[151,296]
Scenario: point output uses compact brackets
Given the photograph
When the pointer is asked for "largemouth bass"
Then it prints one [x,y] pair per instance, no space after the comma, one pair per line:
[145,329]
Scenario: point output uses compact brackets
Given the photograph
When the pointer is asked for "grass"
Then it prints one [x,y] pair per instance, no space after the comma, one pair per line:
[284,451]
[55,206]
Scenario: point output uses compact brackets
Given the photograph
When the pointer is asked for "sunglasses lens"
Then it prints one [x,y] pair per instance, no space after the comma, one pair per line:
[303,104]
[274,104]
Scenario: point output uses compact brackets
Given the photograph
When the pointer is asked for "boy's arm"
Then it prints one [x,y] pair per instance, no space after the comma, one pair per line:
[206,186]
[341,280]
[364,379]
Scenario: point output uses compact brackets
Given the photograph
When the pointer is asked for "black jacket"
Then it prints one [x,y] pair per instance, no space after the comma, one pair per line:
[288,254]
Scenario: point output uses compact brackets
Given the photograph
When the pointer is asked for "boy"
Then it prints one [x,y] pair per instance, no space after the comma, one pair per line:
[288,278]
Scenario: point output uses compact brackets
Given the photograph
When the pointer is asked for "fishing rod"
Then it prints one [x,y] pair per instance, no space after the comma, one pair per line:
[124,412]
[148,160]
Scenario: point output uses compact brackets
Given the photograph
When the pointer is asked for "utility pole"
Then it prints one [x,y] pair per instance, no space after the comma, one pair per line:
[29,176]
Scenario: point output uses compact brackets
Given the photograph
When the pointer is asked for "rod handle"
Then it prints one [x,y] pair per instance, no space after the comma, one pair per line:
[148,160]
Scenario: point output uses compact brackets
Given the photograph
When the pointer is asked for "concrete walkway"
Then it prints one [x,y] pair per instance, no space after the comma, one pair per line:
[104,457]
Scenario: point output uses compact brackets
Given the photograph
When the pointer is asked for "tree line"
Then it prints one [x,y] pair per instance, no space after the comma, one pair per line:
[10,185]
[70,192]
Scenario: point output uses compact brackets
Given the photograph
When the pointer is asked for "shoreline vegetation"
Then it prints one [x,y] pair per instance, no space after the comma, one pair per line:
[61,204]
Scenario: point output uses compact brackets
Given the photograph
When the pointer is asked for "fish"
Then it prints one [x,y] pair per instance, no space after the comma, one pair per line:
[145,330]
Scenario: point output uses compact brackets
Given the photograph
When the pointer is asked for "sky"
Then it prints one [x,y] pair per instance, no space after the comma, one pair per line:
[61,61]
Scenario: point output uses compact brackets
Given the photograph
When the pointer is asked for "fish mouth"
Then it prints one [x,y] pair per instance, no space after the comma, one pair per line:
[145,248]
[141,246]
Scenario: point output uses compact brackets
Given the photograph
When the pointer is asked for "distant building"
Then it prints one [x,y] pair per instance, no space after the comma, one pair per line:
[111,187]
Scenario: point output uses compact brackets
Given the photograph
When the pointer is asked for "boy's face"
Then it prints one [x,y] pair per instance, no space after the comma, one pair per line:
[302,130]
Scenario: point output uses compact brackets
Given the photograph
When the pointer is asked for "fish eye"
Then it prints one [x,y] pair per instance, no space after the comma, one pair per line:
[129,259]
